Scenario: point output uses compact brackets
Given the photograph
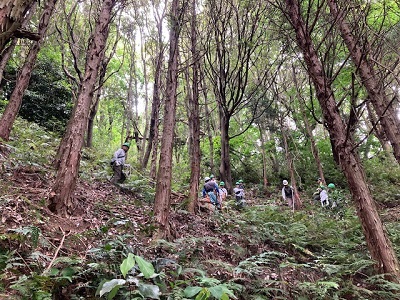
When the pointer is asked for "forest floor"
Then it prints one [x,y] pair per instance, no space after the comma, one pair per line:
[105,208]
[102,205]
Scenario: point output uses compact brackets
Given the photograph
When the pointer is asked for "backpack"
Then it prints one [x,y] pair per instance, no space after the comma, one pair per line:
[288,191]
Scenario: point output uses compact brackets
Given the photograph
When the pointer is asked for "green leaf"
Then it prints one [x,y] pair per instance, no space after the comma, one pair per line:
[100,287]
[145,267]
[329,284]
[224,297]
[191,291]
[68,272]
[109,285]
[149,290]
[220,290]
[113,292]
[127,264]
[203,295]
[53,272]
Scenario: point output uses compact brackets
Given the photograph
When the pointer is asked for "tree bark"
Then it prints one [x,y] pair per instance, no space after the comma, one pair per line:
[146,99]
[155,106]
[164,175]
[194,115]
[378,243]
[225,166]
[14,104]
[6,54]
[364,67]
[61,195]
[12,16]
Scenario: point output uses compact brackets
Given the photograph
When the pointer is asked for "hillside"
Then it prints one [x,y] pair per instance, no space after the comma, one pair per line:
[264,251]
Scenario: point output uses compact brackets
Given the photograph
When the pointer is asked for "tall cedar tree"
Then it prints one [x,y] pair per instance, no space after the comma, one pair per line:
[61,195]
[164,175]
[365,68]
[378,243]
[194,115]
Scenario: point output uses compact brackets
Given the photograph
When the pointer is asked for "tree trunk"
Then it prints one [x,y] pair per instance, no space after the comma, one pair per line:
[10,24]
[6,54]
[14,104]
[264,156]
[209,129]
[364,67]
[225,166]
[289,159]
[92,116]
[194,116]
[154,154]
[314,149]
[379,133]
[61,195]
[164,175]
[155,106]
[378,243]
[146,99]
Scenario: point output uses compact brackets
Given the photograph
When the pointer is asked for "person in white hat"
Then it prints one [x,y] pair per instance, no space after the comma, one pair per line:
[287,193]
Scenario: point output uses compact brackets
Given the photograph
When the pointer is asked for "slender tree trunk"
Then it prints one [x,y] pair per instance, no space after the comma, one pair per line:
[225,166]
[194,116]
[314,149]
[364,67]
[14,104]
[210,131]
[289,159]
[61,195]
[154,154]
[379,133]
[155,106]
[6,54]
[92,116]
[378,243]
[146,99]
[164,174]
[264,156]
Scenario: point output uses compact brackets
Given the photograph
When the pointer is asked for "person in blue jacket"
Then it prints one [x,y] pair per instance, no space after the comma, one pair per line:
[211,189]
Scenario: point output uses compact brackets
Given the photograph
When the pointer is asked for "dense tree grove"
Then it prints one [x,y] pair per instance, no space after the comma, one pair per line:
[255,90]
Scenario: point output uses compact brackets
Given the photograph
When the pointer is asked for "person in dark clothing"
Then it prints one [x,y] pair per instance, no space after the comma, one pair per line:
[287,193]
[117,164]
[211,189]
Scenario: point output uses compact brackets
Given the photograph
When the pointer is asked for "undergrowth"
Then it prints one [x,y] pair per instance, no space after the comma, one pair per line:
[261,252]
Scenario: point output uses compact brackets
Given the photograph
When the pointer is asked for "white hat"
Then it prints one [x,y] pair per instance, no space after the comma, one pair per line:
[207,179]
[285,182]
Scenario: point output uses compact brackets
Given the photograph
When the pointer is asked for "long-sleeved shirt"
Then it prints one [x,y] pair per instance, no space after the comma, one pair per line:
[119,157]
[239,192]
[210,186]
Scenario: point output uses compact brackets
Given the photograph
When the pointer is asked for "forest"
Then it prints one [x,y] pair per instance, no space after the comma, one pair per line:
[299,93]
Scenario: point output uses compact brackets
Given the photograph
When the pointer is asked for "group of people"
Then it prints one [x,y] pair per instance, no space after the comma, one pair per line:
[217,193]
[320,195]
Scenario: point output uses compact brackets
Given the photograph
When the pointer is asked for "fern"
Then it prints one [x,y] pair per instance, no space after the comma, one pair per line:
[32,232]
